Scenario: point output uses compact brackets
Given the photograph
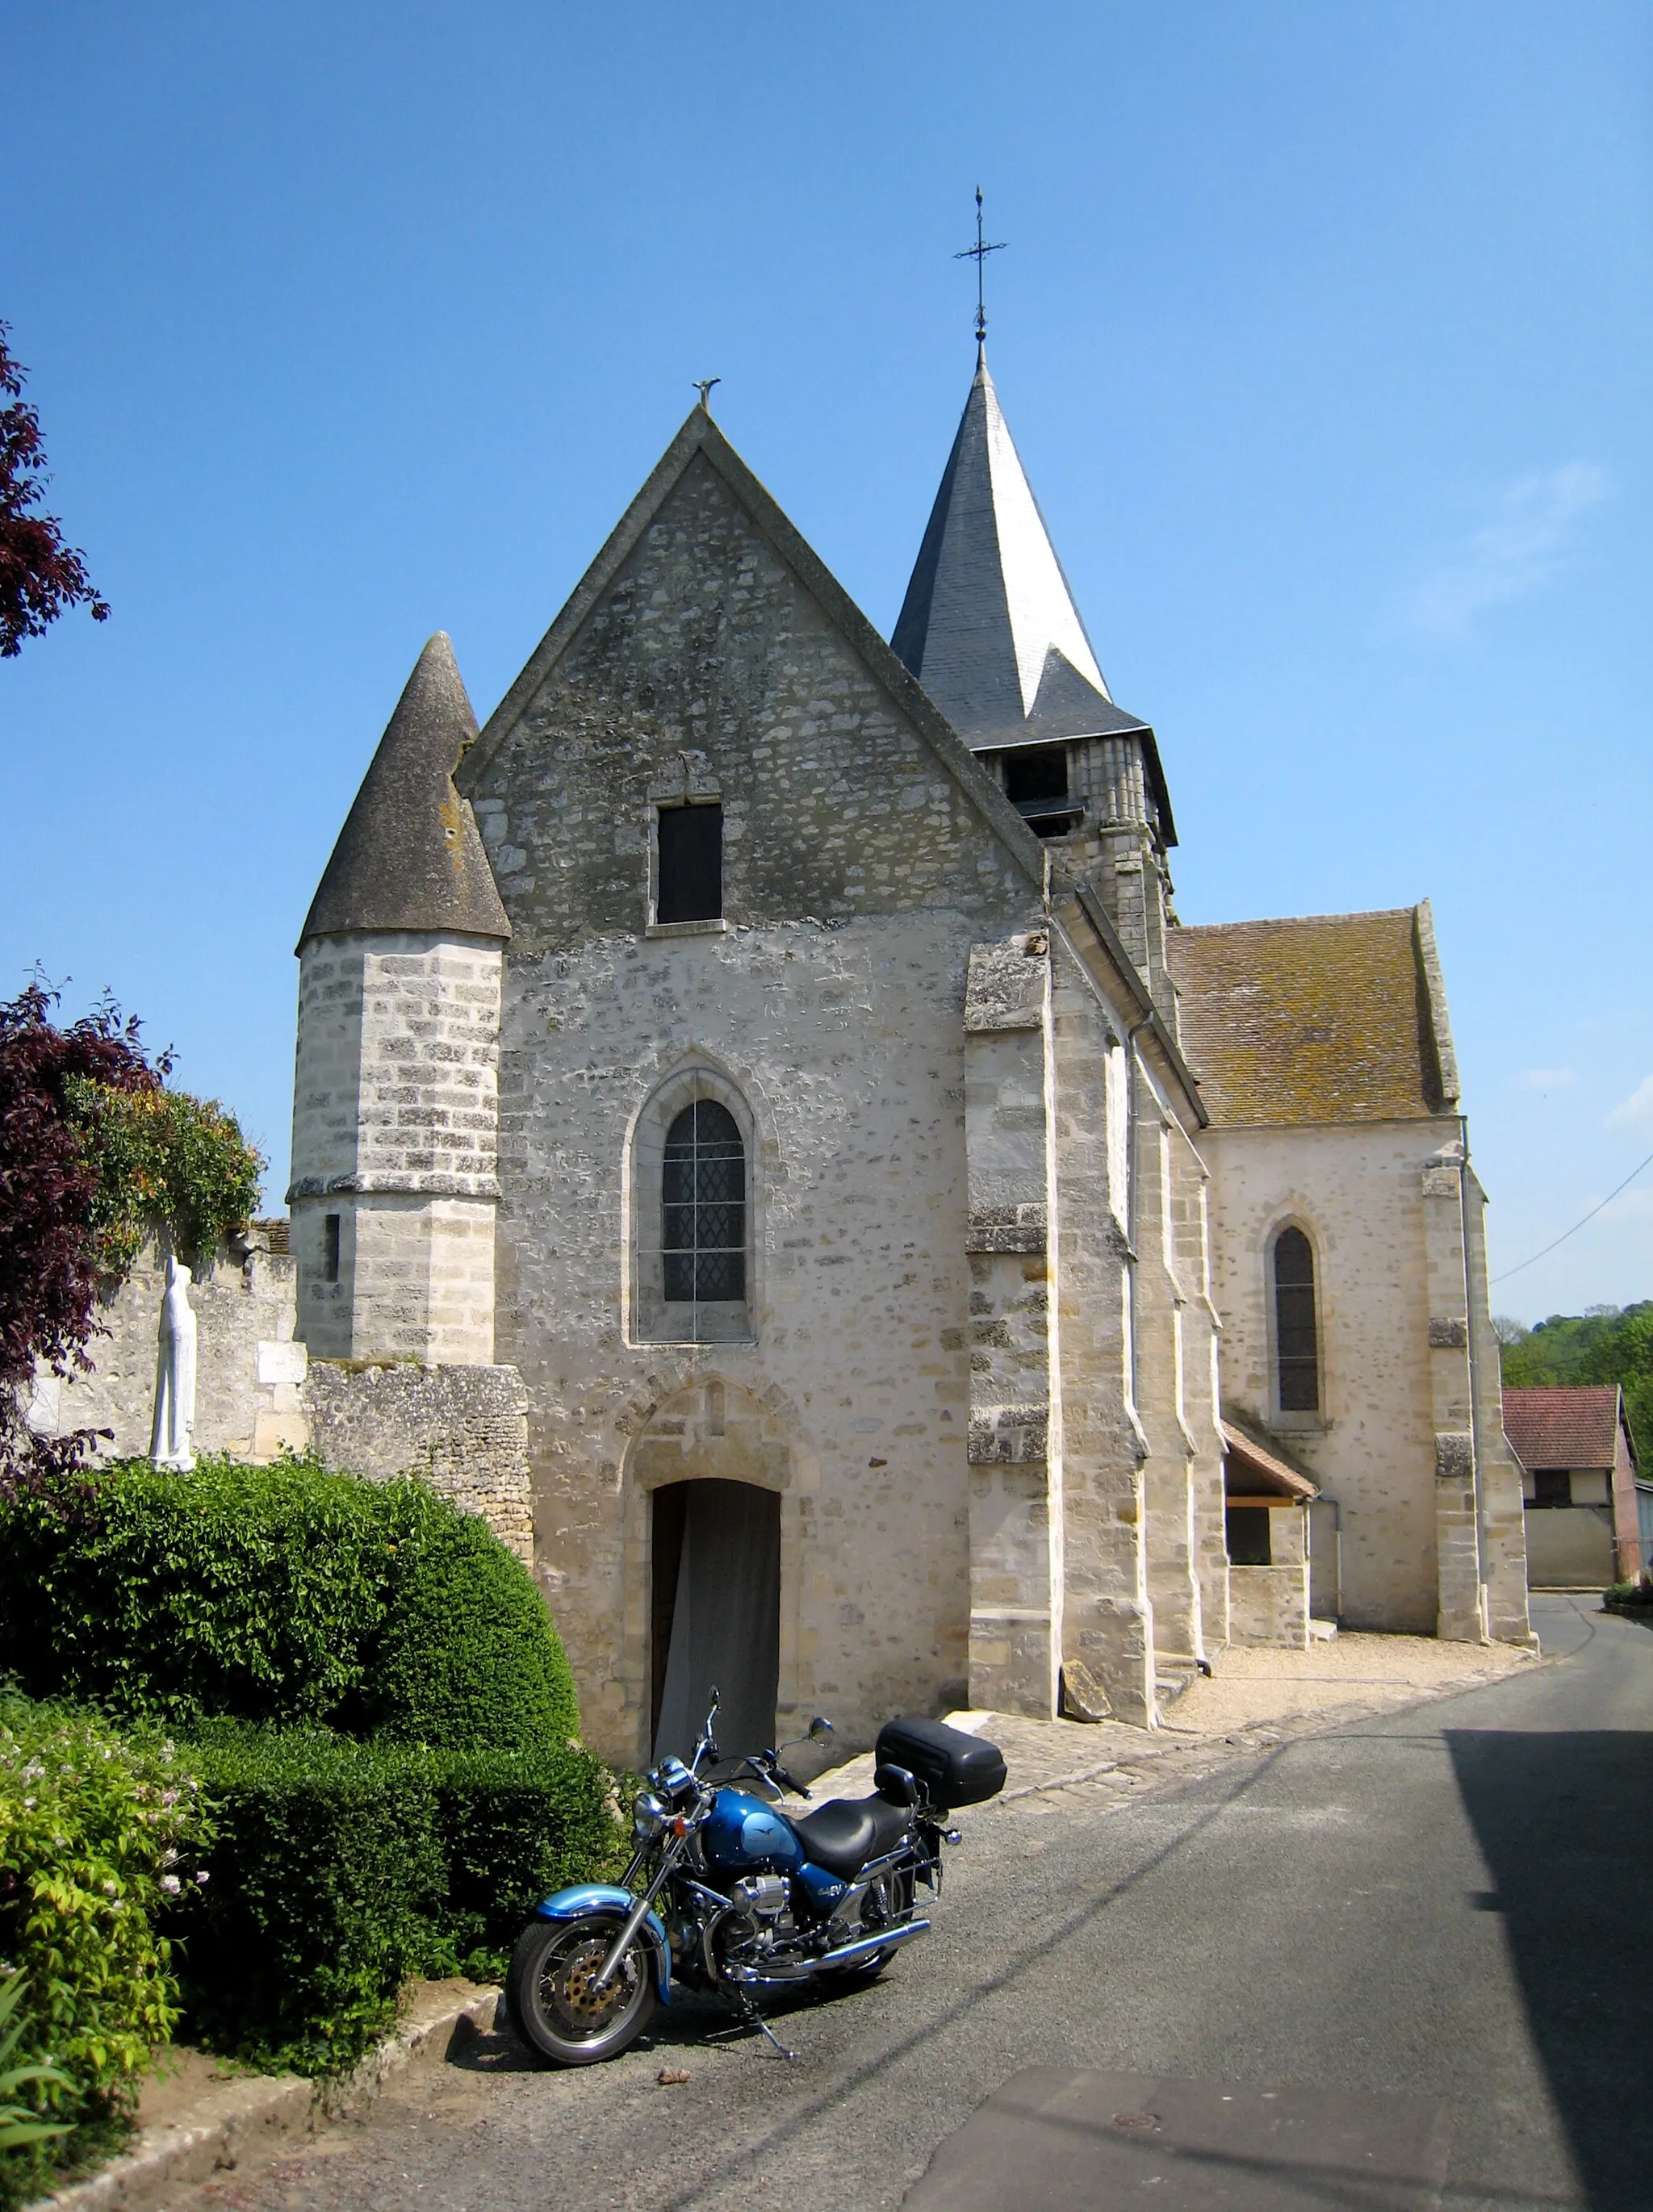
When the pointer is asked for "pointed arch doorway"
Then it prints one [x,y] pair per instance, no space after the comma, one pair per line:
[715,1613]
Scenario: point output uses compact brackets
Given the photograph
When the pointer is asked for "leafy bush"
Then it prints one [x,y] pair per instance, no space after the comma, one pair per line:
[514,1830]
[165,1160]
[325,1877]
[96,1834]
[283,1594]
[465,1656]
[340,1869]
[429,1794]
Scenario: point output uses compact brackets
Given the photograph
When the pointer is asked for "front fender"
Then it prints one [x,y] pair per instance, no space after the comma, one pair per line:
[609,1897]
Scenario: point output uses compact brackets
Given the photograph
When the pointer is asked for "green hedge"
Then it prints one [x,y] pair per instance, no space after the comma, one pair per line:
[340,1868]
[283,1594]
[382,1716]
[97,1834]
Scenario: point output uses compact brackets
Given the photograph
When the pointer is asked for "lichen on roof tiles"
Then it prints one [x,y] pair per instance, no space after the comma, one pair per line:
[1319,1019]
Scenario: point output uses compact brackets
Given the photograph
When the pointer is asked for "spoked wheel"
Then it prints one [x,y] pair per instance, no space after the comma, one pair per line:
[889,1898]
[553,1998]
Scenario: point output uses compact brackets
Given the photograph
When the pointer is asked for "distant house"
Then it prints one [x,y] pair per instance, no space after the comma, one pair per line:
[1589,1520]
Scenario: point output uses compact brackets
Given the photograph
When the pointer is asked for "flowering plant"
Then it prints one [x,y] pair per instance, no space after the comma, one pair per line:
[96,1830]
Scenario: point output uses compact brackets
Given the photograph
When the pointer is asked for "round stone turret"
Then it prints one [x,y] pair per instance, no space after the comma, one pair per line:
[395,1107]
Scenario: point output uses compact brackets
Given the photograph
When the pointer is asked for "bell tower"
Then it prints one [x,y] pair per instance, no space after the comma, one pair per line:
[990,628]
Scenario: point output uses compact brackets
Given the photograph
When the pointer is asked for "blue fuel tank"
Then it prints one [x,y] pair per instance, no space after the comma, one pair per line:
[743,1835]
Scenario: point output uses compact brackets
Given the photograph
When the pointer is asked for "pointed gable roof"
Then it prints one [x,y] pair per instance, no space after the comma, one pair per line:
[409,856]
[990,625]
[701,437]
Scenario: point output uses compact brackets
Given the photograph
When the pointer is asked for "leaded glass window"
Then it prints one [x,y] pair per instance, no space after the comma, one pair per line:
[1297,1347]
[703,1191]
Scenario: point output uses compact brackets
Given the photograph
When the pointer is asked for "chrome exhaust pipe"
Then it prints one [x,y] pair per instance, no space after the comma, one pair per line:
[847,1954]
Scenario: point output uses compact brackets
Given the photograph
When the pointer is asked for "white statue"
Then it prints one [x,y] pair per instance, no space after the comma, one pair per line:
[174,1377]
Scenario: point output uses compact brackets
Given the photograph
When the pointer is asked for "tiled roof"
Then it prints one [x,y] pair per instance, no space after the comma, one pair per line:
[1564,1425]
[1323,1018]
[1259,1471]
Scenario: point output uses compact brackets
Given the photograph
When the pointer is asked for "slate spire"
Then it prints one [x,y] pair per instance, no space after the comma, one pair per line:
[989,626]
[410,855]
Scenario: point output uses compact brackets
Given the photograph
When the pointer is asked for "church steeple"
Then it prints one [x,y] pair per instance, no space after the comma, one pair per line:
[990,628]
[988,625]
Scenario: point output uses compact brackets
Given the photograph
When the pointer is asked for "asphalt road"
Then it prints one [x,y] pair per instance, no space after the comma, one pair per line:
[1455,1901]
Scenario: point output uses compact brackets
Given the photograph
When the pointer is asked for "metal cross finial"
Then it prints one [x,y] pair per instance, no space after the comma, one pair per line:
[978,253]
[704,387]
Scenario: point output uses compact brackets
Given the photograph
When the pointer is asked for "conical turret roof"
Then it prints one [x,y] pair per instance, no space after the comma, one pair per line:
[409,856]
[988,625]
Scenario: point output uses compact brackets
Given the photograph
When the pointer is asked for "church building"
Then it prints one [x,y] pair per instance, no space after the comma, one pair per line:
[937,1277]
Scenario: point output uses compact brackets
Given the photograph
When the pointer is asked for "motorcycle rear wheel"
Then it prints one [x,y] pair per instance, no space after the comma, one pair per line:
[552,2004]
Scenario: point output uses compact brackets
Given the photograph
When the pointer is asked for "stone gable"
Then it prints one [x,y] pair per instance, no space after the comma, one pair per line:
[707,669]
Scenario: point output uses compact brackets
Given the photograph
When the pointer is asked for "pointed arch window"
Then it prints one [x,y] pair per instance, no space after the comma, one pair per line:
[1296,1334]
[703,1206]
[694,1214]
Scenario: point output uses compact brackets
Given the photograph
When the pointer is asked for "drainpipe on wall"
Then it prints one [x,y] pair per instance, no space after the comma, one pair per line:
[1337,1551]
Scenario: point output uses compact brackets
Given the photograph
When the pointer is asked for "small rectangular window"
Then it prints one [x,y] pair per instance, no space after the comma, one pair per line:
[1552,1486]
[690,885]
[329,1225]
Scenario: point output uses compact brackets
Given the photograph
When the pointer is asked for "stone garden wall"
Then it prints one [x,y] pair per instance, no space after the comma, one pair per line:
[464,1430]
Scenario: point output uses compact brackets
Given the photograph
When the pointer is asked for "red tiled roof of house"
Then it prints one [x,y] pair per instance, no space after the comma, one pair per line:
[1563,1425]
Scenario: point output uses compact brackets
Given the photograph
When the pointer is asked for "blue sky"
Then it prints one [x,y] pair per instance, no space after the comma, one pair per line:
[1323,331]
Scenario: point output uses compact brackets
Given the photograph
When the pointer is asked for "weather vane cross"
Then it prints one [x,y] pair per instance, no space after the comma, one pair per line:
[978,253]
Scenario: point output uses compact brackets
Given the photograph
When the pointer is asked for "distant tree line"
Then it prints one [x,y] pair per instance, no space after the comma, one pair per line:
[1604,1344]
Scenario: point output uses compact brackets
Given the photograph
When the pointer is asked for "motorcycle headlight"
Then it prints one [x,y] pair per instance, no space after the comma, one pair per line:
[648,1817]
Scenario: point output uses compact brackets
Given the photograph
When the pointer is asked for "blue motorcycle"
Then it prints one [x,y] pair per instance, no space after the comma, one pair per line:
[727,1893]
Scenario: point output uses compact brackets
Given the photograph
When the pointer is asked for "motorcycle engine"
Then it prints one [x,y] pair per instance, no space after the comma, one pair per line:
[764,1896]
[757,1926]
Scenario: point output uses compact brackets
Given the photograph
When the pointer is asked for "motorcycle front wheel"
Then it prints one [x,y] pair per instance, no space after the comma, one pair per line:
[551,1995]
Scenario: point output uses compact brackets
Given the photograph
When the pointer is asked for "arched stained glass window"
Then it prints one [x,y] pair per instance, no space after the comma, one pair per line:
[1297,1345]
[703,1194]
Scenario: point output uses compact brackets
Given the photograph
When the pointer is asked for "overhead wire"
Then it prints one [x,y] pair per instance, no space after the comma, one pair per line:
[1577,1225]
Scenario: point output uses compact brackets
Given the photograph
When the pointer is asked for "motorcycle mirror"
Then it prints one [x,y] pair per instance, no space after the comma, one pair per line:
[819,1727]
[715,1701]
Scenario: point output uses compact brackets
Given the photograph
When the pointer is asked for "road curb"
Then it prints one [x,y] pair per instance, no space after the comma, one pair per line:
[249,2117]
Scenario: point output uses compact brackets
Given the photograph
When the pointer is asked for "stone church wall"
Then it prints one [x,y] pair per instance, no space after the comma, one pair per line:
[858,874]
[847,1048]
[1357,1191]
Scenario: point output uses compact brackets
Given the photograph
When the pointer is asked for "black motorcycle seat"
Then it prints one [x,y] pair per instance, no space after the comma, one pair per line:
[843,1836]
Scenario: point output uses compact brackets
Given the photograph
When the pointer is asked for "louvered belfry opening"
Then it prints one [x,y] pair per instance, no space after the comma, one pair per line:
[704,1195]
[1297,1347]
